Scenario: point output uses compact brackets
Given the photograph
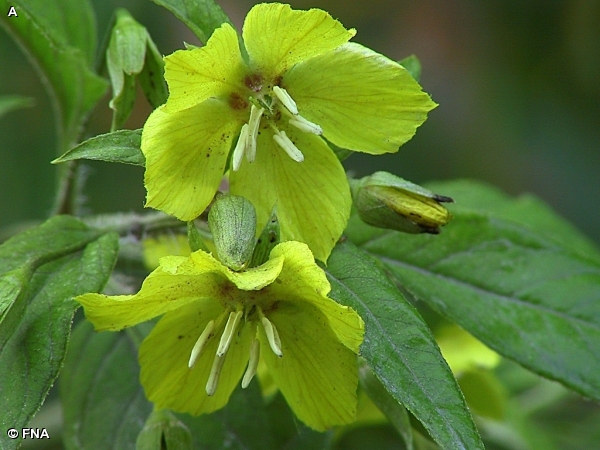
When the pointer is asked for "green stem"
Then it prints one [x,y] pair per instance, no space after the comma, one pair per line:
[125,224]
[66,195]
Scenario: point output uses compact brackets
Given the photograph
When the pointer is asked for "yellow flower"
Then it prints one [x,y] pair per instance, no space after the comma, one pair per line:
[218,324]
[298,79]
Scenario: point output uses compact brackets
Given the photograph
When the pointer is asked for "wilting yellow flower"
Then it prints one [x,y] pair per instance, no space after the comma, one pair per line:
[298,79]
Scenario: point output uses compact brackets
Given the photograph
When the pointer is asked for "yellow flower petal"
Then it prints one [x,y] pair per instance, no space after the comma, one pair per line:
[317,374]
[362,100]
[186,153]
[312,197]
[164,355]
[177,282]
[252,279]
[214,70]
[302,281]
[278,37]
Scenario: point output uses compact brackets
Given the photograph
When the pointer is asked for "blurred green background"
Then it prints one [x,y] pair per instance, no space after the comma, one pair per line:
[518,85]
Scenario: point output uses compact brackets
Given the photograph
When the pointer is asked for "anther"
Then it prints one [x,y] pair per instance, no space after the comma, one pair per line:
[305,125]
[253,126]
[201,342]
[229,332]
[286,99]
[240,147]
[252,363]
[215,372]
[286,144]
[272,335]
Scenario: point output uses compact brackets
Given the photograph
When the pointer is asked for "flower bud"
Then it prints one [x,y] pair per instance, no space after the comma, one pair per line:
[232,222]
[386,201]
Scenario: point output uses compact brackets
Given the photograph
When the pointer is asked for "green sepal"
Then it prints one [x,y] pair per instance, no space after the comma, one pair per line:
[195,238]
[232,221]
[267,240]
[387,201]
[152,77]
[164,431]
[121,146]
[412,65]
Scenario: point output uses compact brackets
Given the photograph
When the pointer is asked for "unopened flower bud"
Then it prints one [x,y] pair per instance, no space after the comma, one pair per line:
[387,201]
[232,221]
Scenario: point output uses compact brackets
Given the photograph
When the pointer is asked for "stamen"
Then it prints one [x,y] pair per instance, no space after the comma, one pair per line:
[252,363]
[272,335]
[253,126]
[201,342]
[227,336]
[215,372]
[285,143]
[306,125]
[286,99]
[240,147]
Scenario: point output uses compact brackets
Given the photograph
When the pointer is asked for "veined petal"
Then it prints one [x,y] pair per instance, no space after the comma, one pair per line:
[186,153]
[362,100]
[317,374]
[178,281]
[278,37]
[302,281]
[312,197]
[164,355]
[161,292]
[214,70]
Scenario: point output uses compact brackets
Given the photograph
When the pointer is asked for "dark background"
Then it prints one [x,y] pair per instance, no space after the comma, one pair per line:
[518,85]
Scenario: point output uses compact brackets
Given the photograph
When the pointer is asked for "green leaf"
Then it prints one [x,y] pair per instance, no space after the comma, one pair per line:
[514,275]
[200,16]
[60,39]
[21,255]
[526,210]
[394,411]
[9,103]
[36,327]
[104,405]
[400,348]
[236,425]
[121,146]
